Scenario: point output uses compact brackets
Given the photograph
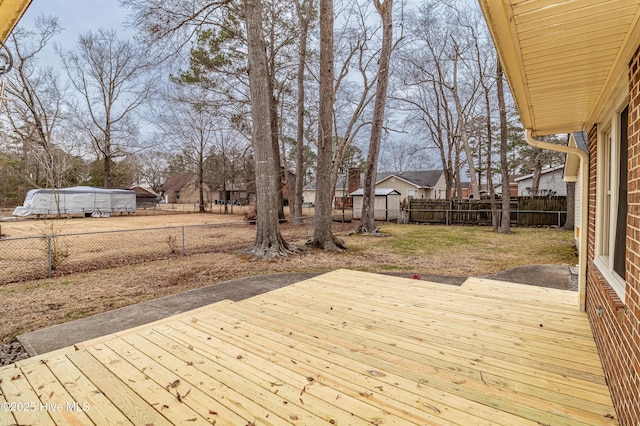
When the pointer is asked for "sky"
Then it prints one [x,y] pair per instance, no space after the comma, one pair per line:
[76,17]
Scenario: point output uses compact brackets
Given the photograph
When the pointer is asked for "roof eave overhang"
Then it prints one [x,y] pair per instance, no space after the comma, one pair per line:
[505,39]
[501,21]
[10,13]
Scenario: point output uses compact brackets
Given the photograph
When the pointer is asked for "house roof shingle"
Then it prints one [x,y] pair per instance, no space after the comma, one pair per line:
[177,182]
[419,178]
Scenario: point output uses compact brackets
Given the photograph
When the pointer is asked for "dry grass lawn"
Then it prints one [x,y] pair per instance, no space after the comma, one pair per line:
[454,251]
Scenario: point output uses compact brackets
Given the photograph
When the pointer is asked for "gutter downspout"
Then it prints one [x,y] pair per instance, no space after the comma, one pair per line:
[584,206]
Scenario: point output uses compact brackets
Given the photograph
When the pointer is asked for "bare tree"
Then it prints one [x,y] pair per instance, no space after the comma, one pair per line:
[224,169]
[188,121]
[462,112]
[485,63]
[505,226]
[353,98]
[175,23]
[367,221]
[269,242]
[36,110]
[400,154]
[111,77]
[425,75]
[305,10]
[322,235]
[441,86]
[152,168]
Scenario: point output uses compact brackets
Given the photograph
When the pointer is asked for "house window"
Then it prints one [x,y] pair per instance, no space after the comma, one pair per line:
[411,193]
[611,213]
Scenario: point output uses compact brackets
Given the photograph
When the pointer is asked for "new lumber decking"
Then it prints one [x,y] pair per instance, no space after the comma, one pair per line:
[343,348]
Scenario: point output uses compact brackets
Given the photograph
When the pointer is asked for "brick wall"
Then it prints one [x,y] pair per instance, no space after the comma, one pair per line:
[616,323]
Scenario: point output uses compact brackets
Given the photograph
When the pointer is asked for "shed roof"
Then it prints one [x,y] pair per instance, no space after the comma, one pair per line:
[143,190]
[379,192]
[563,58]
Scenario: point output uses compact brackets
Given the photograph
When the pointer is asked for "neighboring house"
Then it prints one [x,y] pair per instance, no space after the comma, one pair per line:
[513,186]
[344,187]
[427,184]
[145,197]
[551,183]
[574,66]
[183,189]
[386,205]
[466,189]
[572,173]
[237,193]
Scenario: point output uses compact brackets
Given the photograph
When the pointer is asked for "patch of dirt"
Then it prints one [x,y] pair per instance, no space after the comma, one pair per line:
[12,352]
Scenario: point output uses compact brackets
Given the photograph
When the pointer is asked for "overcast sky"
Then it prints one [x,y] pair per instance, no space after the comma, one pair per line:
[77,17]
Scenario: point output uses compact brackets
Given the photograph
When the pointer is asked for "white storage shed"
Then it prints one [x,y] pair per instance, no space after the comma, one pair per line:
[387,204]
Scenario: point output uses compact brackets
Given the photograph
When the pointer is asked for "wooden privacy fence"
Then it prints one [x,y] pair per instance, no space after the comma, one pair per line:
[525,211]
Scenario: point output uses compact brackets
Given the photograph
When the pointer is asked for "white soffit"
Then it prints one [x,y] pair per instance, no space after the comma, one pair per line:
[562,58]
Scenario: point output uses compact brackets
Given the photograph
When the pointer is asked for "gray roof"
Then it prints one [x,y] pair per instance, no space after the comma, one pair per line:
[581,141]
[379,191]
[419,178]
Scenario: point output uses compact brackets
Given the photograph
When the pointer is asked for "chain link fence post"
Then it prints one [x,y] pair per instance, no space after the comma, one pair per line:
[49,257]
[183,242]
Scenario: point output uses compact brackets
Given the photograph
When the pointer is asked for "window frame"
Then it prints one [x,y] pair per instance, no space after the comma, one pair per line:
[607,199]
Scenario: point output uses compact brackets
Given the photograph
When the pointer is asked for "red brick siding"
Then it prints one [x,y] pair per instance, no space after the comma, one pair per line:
[616,325]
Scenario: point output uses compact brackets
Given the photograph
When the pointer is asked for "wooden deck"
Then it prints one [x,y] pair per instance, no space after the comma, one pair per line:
[344,348]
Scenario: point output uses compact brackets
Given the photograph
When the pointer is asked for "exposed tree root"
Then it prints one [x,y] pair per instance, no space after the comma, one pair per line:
[267,251]
[375,233]
[333,244]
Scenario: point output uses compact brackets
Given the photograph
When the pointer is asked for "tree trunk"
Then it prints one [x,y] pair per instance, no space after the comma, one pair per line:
[273,106]
[537,172]
[492,191]
[490,187]
[275,129]
[201,176]
[304,18]
[269,242]
[367,219]
[106,178]
[322,235]
[569,224]
[462,131]
[505,226]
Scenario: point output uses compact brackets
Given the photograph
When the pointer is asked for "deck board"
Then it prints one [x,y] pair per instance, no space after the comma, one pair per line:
[342,348]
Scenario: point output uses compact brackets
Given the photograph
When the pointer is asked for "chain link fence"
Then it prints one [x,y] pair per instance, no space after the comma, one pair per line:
[43,256]
[57,254]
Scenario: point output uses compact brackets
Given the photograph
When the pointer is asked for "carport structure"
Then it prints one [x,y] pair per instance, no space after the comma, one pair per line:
[342,348]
